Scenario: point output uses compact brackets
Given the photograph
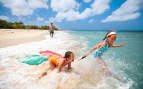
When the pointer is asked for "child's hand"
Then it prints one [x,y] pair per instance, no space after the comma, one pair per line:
[70,68]
[83,57]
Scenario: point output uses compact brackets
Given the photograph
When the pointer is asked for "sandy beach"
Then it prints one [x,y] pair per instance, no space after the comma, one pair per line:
[11,37]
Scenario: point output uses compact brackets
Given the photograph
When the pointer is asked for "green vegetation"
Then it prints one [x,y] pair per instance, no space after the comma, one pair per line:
[19,25]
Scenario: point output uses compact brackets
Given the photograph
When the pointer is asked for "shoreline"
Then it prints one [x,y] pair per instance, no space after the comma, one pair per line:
[12,37]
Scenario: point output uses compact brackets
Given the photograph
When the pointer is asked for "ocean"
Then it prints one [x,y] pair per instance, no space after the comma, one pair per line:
[124,64]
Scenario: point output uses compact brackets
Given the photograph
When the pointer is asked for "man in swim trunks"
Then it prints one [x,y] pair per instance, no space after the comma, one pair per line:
[51,30]
[60,62]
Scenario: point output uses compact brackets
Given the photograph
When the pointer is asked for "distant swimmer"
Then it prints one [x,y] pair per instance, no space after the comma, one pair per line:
[60,62]
[103,46]
[51,30]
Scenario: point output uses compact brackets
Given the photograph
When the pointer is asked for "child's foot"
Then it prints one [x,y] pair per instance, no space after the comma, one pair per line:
[43,74]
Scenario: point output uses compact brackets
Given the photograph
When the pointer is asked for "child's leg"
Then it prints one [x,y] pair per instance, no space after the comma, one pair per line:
[102,63]
[52,66]
[50,35]
[43,74]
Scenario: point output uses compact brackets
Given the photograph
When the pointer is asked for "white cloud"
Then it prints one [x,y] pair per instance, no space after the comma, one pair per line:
[18,7]
[38,3]
[46,22]
[70,13]
[63,5]
[40,19]
[127,11]
[51,20]
[4,18]
[91,21]
[66,9]
[24,7]
[100,6]
[87,1]
[86,13]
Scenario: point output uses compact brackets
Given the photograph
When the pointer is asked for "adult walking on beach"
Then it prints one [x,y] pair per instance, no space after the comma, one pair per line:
[103,46]
[51,30]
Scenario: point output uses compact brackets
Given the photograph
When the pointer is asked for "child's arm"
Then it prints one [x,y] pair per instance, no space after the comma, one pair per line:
[92,49]
[69,66]
[60,66]
[118,45]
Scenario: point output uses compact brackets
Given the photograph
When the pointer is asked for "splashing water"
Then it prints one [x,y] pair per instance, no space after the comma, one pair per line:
[85,74]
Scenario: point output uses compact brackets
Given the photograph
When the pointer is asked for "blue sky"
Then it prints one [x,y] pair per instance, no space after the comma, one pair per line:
[76,14]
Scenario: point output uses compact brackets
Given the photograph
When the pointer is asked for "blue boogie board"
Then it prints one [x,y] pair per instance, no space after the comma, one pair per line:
[32,59]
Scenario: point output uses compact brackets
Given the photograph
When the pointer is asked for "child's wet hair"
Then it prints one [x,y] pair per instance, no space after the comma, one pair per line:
[67,54]
[107,34]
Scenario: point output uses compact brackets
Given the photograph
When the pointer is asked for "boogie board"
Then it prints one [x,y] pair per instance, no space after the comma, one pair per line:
[32,59]
[48,54]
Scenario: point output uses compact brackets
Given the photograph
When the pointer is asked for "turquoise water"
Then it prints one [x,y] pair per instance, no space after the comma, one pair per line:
[125,62]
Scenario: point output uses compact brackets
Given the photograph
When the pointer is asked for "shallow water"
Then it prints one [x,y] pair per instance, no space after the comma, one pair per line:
[125,62]
[85,74]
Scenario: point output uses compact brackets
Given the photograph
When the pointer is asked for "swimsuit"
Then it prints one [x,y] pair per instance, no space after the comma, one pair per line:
[51,32]
[54,60]
[99,51]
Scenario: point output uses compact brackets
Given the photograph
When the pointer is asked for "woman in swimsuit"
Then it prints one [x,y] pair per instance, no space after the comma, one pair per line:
[103,46]
[60,62]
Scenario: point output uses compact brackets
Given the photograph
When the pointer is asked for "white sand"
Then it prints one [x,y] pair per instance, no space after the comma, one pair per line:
[10,37]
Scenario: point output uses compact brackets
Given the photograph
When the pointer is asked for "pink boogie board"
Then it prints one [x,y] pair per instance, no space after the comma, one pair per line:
[48,53]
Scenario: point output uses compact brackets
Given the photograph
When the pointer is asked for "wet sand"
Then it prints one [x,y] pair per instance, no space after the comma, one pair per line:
[11,37]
